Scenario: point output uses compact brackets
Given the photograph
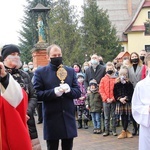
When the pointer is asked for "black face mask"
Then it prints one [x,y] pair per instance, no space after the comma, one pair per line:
[142,58]
[110,72]
[56,61]
[135,60]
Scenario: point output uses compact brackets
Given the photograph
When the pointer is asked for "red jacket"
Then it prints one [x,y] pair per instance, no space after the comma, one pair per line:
[106,87]
[144,71]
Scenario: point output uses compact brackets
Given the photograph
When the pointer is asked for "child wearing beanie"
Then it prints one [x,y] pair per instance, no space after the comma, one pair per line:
[123,90]
[94,104]
[82,113]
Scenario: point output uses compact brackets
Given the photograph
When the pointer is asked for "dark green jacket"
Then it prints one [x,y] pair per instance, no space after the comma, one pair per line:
[94,101]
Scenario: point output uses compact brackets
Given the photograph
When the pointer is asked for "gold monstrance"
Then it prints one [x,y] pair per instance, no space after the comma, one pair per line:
[61,73]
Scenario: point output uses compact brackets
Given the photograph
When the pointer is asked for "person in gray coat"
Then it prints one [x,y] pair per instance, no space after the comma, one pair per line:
[135,74]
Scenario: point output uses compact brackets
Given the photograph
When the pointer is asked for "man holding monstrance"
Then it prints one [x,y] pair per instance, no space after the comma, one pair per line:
[56,86]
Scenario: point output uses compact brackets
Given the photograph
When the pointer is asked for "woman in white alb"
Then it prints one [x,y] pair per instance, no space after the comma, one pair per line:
[141,108]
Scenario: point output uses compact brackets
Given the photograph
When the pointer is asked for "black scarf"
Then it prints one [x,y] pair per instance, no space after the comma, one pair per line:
[16,73]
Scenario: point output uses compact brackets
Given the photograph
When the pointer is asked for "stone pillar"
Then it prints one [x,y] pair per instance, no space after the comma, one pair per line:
[39,54]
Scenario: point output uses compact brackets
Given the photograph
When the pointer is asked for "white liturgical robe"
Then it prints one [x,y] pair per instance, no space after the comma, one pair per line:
[141,111]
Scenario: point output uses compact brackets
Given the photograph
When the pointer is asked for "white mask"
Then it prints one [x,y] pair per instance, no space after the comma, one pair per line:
[31,66]
[122,79]
[94,62]
[80,80]
[86,67]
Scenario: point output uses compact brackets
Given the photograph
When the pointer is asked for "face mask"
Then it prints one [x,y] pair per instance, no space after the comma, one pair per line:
[110,72]
[94,62]
[31,66]
[56,61]
[25,69]
[101,62]
[15,61]
[76,69]
[80,80]
[142,58]
[86,67]
[135,60]
[122,79]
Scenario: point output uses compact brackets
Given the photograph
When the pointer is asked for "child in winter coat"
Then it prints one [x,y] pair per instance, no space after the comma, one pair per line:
[106,87]
[94,104]
[123,91]
[80,103]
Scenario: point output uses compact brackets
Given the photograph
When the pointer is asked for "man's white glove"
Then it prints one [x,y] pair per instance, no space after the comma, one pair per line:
[58,92]
[65,87]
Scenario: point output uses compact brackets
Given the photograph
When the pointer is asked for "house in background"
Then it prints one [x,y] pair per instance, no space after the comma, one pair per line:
[122,55]
[130,19]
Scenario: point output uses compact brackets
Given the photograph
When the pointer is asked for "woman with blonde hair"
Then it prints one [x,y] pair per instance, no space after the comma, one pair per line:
[123,90]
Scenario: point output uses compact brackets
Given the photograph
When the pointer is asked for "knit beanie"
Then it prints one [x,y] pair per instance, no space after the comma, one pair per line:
[93,82]
[80,75]
[9,49]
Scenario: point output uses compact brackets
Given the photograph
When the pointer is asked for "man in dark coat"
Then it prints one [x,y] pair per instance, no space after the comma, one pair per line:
[58,107]
[95,71]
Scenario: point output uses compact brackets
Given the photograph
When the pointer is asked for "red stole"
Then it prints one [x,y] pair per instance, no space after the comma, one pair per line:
[14,134]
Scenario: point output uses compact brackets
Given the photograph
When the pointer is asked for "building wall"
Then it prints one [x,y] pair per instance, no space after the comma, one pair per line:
[138,40]
[142,17]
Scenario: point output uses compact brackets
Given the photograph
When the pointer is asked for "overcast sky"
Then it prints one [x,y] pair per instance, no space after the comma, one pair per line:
[11,13]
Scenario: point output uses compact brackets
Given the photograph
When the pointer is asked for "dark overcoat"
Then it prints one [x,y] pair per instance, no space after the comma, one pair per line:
[91,74]
[58,112]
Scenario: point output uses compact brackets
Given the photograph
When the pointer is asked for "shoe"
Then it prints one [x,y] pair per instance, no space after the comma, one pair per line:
[134,132]
[129,135]
[106,133]
[94,131]
[99,131]
[79,124]
[122,135]
[114,133]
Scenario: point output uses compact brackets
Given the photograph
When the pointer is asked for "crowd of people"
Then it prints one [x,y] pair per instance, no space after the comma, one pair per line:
[67,98]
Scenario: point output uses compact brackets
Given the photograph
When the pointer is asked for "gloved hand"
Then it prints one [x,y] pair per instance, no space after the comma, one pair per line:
[58,92]
[65,87]
[87,106]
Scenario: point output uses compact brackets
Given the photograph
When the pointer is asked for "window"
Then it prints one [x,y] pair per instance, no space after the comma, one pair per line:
[148,14]
[122,49]
[147,28]
[147,48]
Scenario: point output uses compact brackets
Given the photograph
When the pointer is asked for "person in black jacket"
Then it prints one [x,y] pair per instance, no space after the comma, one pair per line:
[95,71]
[11,59]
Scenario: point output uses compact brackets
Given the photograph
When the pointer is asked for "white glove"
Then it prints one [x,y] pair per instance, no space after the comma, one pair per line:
[87,106]
[58,92]
[65,87]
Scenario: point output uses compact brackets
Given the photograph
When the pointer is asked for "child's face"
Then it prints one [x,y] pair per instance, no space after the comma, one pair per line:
[92,87]
[80,79]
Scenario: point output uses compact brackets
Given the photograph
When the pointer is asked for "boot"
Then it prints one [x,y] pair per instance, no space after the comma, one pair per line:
[135,128]
[106,133]
[117,123]
[85,124]
[129,135]
[79,124]
[122,135]
[134,131]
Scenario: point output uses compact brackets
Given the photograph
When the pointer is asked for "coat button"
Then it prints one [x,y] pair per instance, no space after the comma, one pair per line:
[63,111]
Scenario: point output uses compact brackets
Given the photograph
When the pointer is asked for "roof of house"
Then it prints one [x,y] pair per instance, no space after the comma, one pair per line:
[121,54]
[121,13]
[130,26]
